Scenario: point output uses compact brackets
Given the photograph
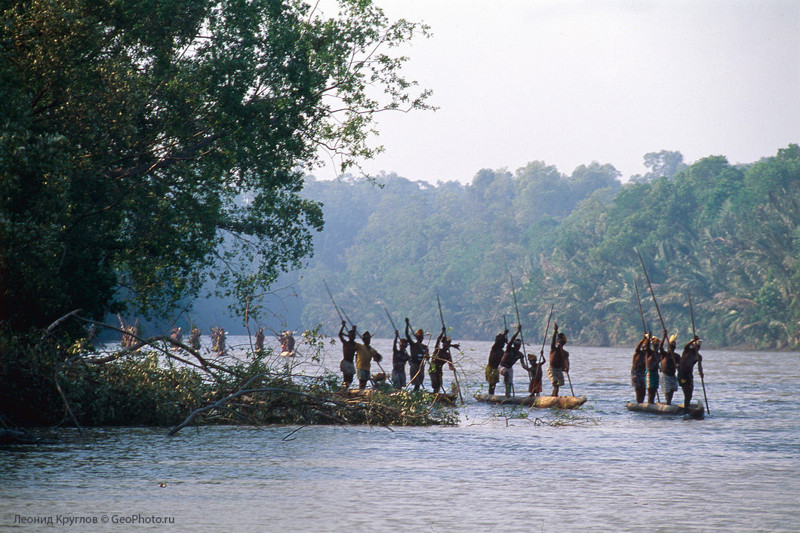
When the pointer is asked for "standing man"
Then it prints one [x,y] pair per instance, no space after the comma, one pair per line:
[399,359]
[669,364]
[638,368]
[348,354]
[259,340]
[559,360]
[194,338]
[492,371]
[419,352]
[176,335]
[651,361]
[441,355]
[511,356]
[690,356]
[364,356]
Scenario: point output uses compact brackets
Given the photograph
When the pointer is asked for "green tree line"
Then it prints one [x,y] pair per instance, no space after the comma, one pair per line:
[726,236]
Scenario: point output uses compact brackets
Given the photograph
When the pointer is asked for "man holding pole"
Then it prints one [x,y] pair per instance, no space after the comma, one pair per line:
[652,360]
[399,359]
[511,356]
[348,354]
[559,360]
[441,355]
[669,364]
[690,356]
[364,355]
[638,368]
[419,352]
[495,355]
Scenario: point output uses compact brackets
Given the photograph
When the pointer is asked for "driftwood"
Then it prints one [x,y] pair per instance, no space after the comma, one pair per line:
[220,404]
[340,407]
[58,322]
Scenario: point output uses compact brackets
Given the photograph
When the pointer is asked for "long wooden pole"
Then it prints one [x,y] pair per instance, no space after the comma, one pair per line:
[638,299]
[524,362]
[653,294]
[547,330]
[699,363]
[455,374]
[651,290]
[341,312]
[516,308]
[338,311]
[390,319]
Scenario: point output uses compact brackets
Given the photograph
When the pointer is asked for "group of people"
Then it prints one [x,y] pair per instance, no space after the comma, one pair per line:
[218,337]
[286,339]
[410,349]
[655,362]
[504,353]
[654,365]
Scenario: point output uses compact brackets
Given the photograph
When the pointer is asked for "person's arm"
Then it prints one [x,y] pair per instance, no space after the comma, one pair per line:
[396,338]
[439,338]
[566,361]
[555,337]
[514,337]
[341,331]
[408,332]
[640,346]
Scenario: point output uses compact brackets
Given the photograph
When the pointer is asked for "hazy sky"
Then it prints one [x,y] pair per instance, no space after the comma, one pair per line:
[571,82]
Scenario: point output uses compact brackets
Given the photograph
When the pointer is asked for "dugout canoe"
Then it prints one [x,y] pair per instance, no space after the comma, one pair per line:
[542,402]
[695,410]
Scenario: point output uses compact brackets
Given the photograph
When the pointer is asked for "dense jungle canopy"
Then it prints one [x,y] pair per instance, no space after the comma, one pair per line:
[728,236]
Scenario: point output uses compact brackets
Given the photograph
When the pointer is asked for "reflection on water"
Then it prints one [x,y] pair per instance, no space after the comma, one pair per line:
[608,469]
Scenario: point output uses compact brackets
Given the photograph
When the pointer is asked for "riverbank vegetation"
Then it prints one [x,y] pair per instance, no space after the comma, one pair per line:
[52,382]
[726,235]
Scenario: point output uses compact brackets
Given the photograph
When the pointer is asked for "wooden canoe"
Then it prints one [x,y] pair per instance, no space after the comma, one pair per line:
[695,410]
[543,402]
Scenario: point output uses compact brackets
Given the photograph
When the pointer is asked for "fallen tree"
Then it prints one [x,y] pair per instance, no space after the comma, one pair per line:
[147,383]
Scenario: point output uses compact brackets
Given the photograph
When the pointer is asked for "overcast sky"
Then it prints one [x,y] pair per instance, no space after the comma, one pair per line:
[571,82]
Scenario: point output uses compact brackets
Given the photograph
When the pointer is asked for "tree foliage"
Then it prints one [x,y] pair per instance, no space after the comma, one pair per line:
[726,235]
[139,137]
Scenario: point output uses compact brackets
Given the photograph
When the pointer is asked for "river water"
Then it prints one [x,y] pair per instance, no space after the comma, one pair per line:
[601,467]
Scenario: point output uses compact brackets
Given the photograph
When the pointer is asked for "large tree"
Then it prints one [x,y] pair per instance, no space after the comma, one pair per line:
[140,138]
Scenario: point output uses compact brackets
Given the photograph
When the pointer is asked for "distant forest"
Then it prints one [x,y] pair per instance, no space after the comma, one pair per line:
[726,236]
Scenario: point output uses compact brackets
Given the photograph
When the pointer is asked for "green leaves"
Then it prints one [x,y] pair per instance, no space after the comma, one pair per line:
[728,235]
[140,136]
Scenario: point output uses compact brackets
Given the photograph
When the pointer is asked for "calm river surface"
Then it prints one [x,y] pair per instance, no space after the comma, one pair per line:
[503,469]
